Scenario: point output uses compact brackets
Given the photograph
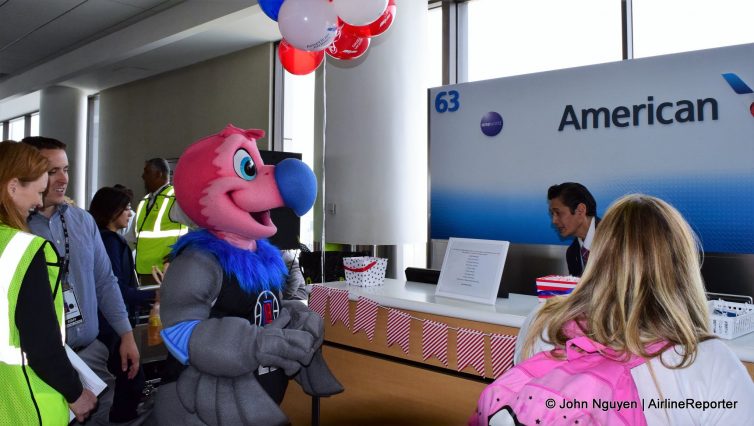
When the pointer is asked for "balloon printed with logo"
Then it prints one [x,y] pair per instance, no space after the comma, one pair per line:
[347,46]
[271,8]
[359,12]
[377,27]
[309,25]
[296,61]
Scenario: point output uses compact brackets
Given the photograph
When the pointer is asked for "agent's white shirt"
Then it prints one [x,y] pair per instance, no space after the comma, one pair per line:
[587,241]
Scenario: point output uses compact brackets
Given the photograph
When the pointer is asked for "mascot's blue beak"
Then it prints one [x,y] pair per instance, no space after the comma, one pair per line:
[297,185]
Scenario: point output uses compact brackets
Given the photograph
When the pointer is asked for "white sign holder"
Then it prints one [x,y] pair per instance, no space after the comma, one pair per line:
[472,270]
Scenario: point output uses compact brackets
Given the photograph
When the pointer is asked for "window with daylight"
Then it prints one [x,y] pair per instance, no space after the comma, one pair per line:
[672,26]
[16,129]
[518,37]
[434,47]
[298,131]
[34,130]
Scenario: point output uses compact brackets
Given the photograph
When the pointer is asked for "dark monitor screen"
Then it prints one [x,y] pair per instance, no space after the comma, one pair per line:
[287,222]
[729,273]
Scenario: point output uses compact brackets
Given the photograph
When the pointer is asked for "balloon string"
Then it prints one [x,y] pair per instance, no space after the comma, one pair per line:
[324,138]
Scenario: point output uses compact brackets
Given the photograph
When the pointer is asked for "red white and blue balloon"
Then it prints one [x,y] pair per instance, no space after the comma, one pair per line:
[308,24]
[347,46]
[377,27]
[271,8]
[359,12]
[297,61]
[342,28]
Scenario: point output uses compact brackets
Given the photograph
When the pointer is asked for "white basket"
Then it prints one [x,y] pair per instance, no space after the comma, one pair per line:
[731,327]
[365,271]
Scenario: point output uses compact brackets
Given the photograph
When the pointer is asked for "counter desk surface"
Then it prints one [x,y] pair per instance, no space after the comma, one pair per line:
[509,312]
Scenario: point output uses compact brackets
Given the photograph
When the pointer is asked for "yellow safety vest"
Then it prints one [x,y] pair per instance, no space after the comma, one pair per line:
[25,402]
[155,232]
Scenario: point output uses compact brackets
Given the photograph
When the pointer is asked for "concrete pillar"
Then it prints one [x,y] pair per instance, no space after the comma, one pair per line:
[62,115]
[376,138]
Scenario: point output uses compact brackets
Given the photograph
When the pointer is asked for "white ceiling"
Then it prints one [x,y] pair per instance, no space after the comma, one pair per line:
[96,44]
[32,31]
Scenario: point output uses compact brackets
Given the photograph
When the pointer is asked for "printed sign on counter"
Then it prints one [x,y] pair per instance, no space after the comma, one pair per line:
[472,269]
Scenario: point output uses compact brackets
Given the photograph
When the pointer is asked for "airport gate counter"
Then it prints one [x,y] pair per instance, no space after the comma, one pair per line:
[385,385]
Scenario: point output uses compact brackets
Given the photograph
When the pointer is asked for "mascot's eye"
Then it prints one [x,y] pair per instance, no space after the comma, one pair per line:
[244,165]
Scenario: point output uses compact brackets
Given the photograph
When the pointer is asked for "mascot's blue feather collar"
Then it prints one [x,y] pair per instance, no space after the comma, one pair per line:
[255,271]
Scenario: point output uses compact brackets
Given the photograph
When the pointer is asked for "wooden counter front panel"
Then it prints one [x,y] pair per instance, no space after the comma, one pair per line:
[338,333]
[382,392]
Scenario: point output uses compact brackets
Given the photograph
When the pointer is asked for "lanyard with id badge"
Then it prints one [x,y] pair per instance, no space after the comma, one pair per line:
[73,315]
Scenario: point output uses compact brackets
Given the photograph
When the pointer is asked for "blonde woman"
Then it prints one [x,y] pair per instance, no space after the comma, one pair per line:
[37,382]
[643,285]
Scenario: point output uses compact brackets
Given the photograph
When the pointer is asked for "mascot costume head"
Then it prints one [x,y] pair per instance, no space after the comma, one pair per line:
[233,342]
[222,184]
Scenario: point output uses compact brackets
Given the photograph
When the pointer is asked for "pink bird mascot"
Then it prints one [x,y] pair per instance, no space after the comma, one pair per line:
[233,342]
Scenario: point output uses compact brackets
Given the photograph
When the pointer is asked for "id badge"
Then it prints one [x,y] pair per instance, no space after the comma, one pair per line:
[266,310]
[71,305]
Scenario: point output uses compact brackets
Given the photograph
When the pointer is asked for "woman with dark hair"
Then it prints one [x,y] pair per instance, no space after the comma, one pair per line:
[111,209]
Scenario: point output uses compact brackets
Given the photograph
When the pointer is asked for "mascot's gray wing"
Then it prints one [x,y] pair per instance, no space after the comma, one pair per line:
[315,378]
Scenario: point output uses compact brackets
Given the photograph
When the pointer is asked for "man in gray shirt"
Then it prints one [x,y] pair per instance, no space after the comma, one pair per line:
[88,282]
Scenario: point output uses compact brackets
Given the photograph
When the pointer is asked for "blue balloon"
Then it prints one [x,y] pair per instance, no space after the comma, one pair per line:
[271,8]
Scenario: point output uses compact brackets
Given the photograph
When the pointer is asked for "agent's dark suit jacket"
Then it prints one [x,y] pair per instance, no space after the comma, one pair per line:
[573,255]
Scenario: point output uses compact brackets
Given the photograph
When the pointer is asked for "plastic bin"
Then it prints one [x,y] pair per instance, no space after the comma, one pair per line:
[731,319]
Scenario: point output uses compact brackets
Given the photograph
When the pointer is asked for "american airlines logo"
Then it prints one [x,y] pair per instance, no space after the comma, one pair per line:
[739,86]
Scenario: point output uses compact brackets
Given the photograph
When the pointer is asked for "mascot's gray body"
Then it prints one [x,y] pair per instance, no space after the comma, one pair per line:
[219,386]
[232,356]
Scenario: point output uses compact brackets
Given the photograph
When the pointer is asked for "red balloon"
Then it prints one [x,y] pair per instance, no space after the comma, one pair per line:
[299,62]
[347,46]
[375,28]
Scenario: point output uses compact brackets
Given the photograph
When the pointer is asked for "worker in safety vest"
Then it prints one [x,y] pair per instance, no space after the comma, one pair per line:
[19,248]
[154,231]
[37,380]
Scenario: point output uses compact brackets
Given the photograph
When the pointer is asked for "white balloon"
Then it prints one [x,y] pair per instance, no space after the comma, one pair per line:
[309,25]
[359,12]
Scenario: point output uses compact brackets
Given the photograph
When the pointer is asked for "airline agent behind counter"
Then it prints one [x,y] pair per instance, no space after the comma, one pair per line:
[574,214]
